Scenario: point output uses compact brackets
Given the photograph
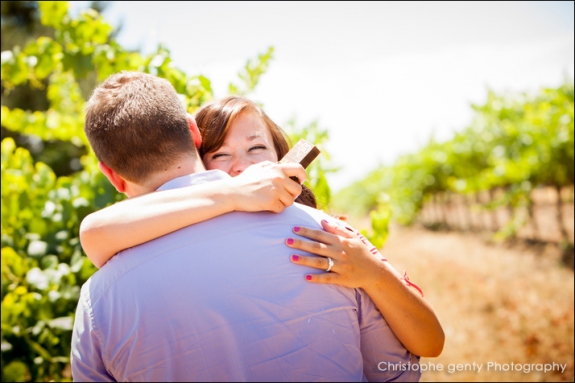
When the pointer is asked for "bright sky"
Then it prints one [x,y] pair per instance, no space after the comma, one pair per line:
[381,77]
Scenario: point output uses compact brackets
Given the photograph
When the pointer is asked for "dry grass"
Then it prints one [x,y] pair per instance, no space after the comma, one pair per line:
[496,304]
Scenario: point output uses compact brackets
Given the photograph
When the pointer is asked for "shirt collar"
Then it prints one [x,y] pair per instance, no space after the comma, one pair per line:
[194,179]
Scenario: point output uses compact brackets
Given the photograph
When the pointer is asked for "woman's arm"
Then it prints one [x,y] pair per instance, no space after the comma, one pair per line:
[355,265]
[261,187]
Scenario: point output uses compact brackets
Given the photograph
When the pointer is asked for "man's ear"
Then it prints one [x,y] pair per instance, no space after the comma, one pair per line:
[118,182]
[196,135]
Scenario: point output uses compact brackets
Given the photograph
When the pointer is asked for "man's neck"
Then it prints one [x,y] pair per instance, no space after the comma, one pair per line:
[153,182]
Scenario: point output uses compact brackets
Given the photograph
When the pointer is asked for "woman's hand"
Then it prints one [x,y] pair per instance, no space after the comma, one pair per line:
[355,263]
[266,186]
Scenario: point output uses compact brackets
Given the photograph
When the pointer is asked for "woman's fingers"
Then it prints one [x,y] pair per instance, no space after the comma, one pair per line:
[292,187]
[318,263]
[321,263]
[346,232]
[329,278]
[336,229]
[266,186]
[316,235]
[286,190]
[354,263]
[294,170]
[311,247]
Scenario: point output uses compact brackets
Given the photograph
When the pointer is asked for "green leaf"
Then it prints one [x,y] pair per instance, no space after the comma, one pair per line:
[53,13]
[15,371]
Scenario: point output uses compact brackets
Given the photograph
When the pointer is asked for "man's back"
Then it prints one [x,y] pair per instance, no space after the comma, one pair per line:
[220,301]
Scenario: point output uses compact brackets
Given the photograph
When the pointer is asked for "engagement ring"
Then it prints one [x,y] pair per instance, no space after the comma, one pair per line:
[330,264]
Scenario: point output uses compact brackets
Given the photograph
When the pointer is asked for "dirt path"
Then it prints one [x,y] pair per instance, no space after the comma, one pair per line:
[498,306]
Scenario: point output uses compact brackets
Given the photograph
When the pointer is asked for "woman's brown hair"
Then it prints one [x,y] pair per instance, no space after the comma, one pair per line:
[215,118]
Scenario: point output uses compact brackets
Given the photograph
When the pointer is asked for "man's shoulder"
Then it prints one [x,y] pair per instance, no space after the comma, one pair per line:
[299,210]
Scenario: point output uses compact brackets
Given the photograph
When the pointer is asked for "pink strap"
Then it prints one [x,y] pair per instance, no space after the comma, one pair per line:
[409,283]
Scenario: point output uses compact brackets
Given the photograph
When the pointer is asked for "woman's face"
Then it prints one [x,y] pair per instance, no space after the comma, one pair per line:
[248,142]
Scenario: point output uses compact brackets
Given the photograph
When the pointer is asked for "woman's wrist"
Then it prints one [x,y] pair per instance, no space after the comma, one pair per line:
[382,278]
[232,194]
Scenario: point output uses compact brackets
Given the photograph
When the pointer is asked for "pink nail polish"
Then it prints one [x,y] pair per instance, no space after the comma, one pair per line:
[308,277]
[295,258]
[289,241]
[296,229]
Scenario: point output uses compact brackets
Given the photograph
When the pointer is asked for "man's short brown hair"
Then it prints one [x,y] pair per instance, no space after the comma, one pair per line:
[137,125]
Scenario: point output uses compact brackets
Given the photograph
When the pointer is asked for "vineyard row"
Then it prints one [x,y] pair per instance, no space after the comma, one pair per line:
[547,217]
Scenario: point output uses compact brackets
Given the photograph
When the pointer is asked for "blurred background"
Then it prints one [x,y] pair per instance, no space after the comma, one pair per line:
[446,132]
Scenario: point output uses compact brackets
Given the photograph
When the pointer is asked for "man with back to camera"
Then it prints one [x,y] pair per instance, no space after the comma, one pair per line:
[218,300]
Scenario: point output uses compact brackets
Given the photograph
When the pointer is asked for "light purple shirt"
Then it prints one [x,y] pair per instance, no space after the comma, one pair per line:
[221,301]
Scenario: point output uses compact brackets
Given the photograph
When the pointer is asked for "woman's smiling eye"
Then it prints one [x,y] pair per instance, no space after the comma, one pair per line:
[258,147]
[218,155]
